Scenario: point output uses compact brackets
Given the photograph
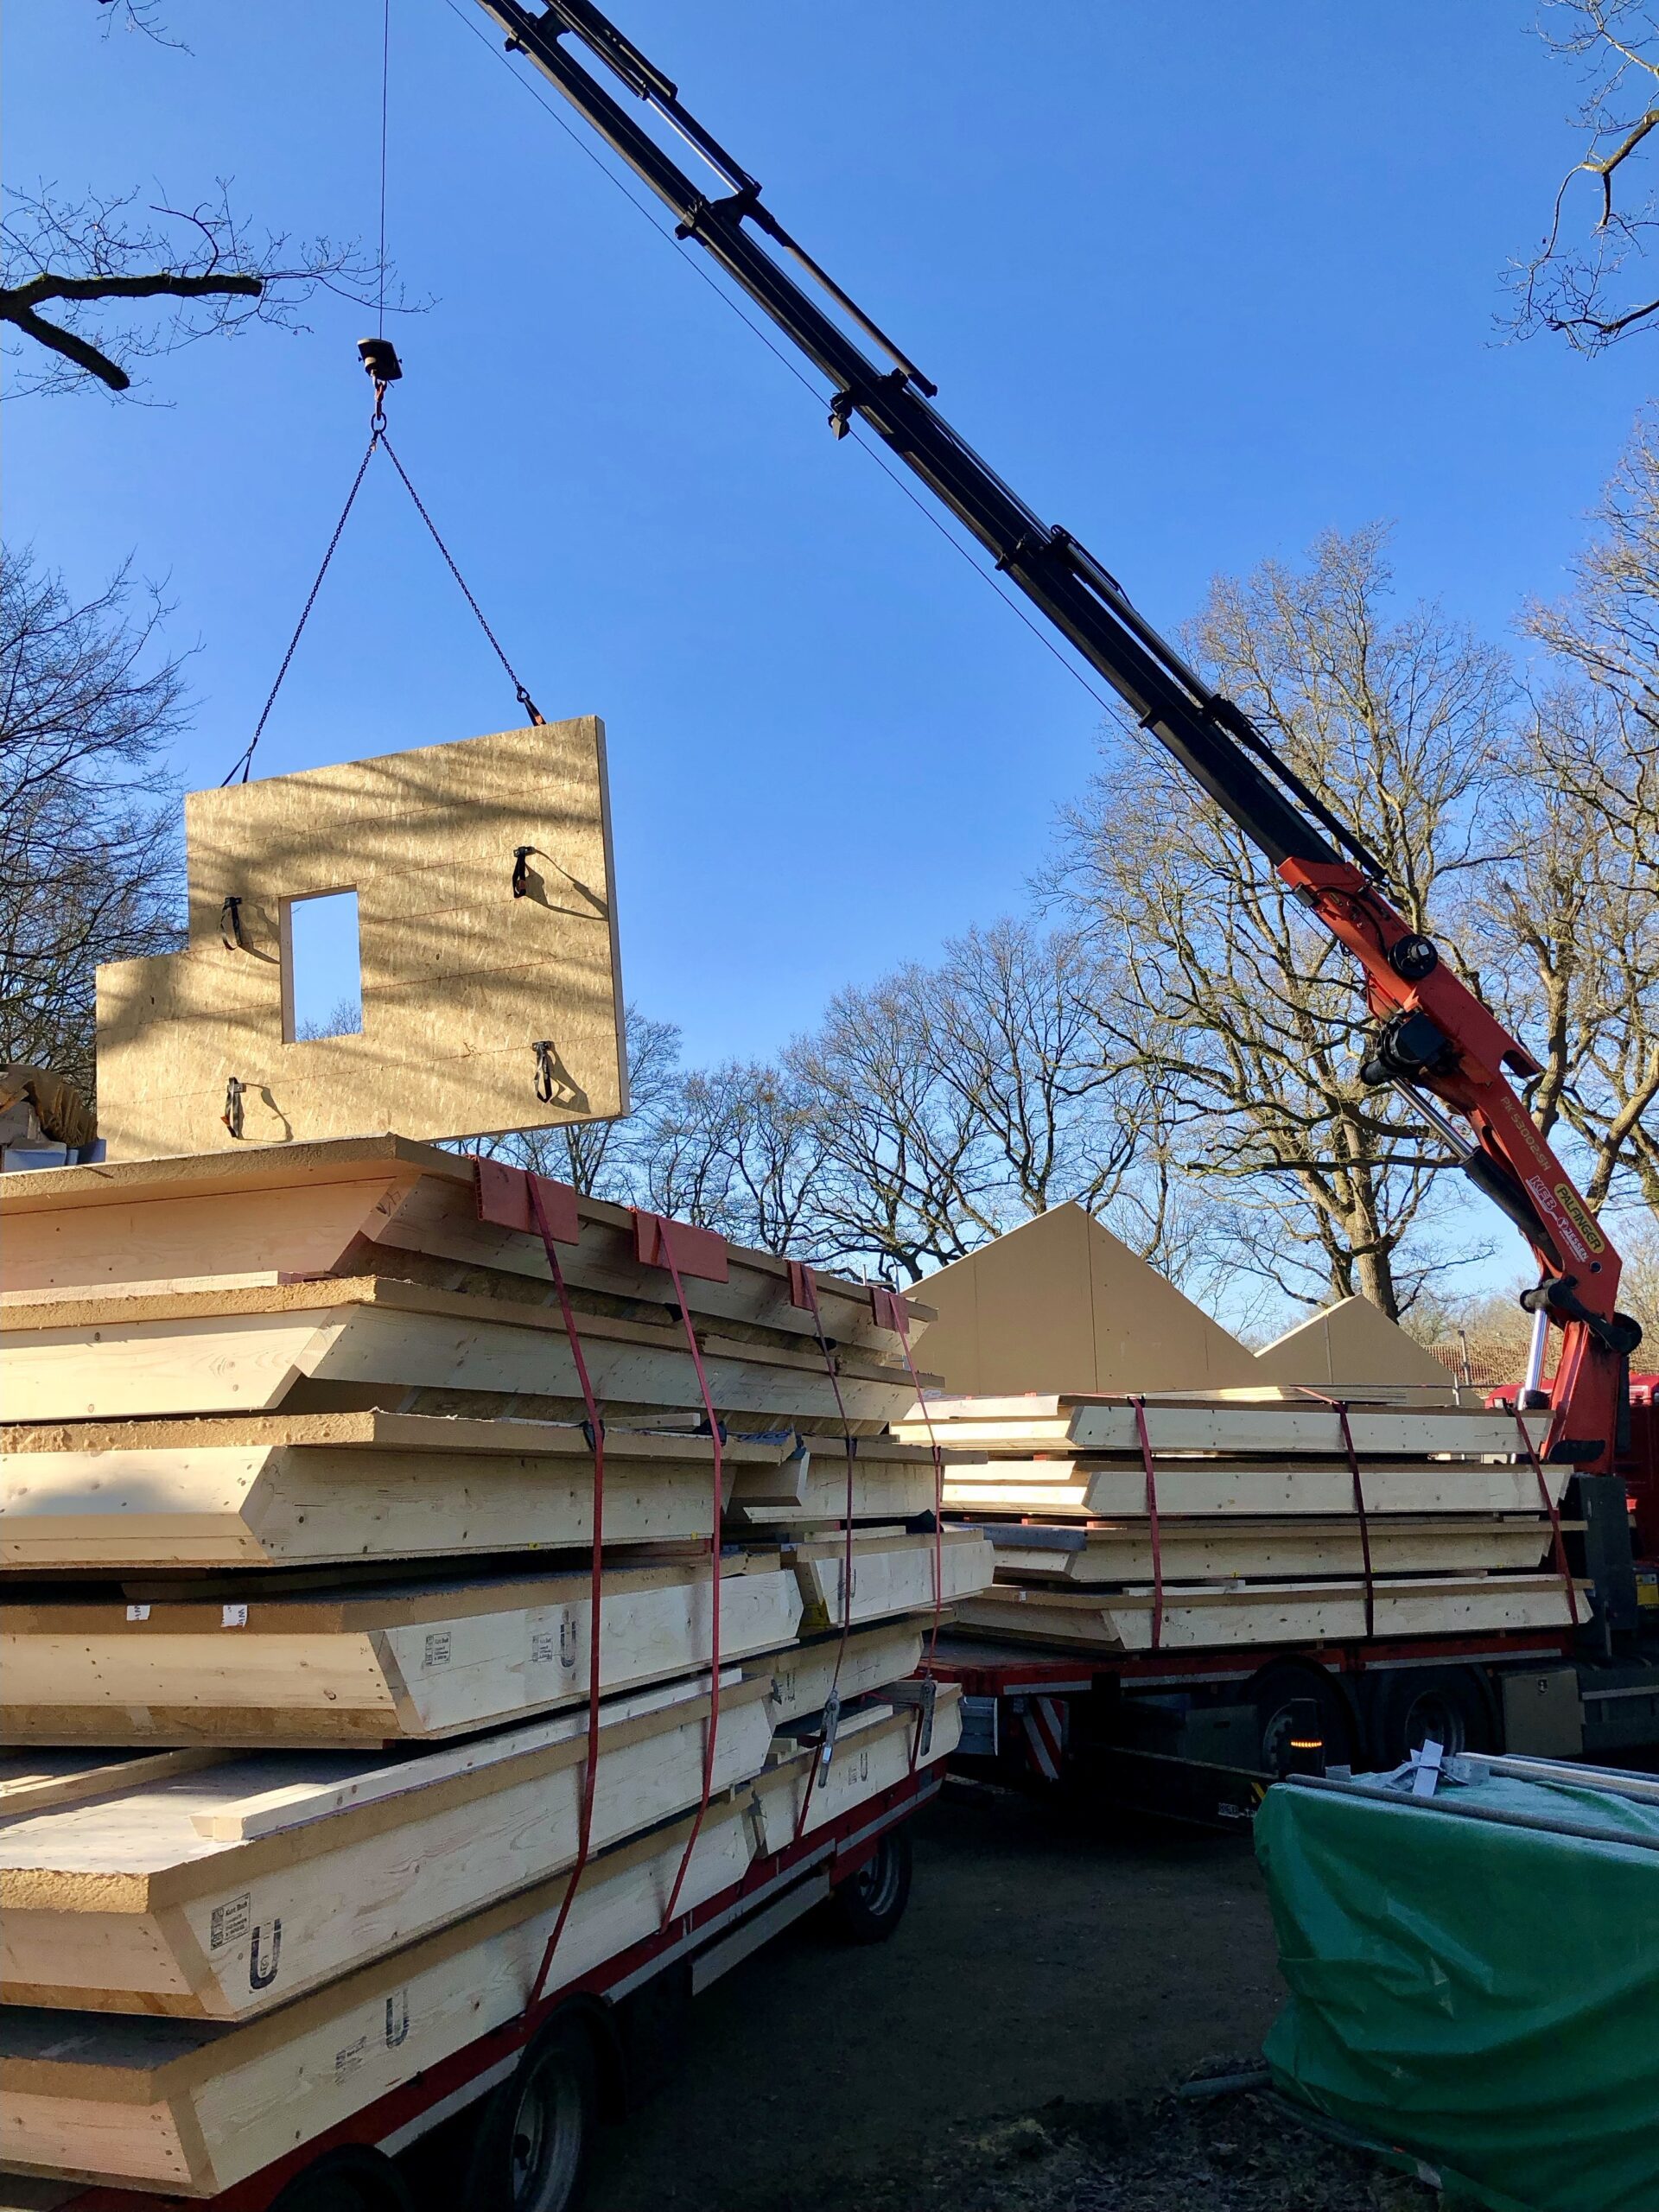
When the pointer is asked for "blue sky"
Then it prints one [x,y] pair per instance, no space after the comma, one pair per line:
[1199,279]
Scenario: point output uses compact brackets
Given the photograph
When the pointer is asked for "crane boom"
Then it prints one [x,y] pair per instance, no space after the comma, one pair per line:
[1436,1042]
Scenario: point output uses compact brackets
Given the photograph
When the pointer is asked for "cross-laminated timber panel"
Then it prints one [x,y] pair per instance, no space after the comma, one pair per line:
[461,979]
[1063,1488]
[1273,1551]
[1197,1617]
[365,1205]
[891,1574]
[193,2107]
[1072,1427]
[292,1490]
[375,1664]
[314,1346]
[223,1892]
[196,2108]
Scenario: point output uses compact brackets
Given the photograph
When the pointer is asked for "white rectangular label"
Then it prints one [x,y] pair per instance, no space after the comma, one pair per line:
[233,1617]
[137,1612]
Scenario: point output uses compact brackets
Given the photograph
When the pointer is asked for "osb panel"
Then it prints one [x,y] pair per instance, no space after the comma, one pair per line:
[460,979]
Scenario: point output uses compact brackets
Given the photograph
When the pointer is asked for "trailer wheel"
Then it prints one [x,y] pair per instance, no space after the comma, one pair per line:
[1275,1693]
[531,2150]
[348,2181]
[1448,1703]
[870,1903]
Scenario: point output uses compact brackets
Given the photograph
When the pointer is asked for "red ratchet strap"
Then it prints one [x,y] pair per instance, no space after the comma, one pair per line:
[1140,1405]
[656,1240]
[503,1195]
[803,1293]
[1339,1407]
[1554,1513]
[889,1311]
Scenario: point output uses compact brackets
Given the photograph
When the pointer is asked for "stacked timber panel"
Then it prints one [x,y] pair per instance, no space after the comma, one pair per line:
[297,1537]
[1244,1520]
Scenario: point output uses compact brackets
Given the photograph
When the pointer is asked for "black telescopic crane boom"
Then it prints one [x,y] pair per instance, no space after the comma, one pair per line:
[1208,734]
[1436,1042]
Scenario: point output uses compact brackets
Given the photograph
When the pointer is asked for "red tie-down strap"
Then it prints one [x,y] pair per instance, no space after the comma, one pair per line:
[504,1199]
[803,1294]
[1147,1461]
[889,1311]
[1554,1511]
[1339,1407]
[679,1247]
[658,1243]
[513,1198]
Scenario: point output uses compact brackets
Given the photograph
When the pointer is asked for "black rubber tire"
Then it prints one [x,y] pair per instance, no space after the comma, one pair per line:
[870,1903]
[1414,1703]
[535,2135]
[1286,1683]
[348,2181]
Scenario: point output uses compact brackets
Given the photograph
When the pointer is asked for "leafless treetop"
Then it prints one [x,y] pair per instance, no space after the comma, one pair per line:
[1590,279]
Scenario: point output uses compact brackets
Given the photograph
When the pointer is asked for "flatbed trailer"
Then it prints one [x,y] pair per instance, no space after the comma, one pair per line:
[1200,1735]
[539,2087]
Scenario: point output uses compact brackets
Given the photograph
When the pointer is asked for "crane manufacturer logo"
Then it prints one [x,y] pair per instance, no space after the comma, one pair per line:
[1566,1210]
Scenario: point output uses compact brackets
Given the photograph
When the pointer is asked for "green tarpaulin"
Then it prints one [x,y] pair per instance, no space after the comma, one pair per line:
[1483,1996]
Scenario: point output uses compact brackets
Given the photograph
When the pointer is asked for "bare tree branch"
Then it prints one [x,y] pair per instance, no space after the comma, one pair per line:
[99,251]
[1578,282]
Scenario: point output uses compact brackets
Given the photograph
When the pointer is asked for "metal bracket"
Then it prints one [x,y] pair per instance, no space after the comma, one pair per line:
[923,1695]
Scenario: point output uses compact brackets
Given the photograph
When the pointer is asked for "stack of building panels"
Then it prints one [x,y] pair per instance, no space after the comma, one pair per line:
[1244,1520]
[298,1528]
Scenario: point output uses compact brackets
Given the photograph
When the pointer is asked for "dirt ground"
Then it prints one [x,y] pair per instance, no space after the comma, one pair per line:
[1011,2049]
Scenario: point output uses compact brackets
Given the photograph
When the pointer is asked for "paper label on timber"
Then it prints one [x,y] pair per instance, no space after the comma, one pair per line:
[233,1617]
[229,1921]
[555,1646]
[137,1612]
[436,1653]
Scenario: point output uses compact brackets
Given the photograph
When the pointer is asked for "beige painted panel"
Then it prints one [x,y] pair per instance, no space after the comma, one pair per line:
[1350,1347]
[1059,1304]
[459,980]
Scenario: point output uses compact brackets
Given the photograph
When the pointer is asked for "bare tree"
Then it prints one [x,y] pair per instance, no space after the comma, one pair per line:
[90,860]
[1252,1020]
[1589,279]
[1589,792]
[1568,932]
[125,283]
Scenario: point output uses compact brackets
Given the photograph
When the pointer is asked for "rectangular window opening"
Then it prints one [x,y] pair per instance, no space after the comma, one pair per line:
[322,973]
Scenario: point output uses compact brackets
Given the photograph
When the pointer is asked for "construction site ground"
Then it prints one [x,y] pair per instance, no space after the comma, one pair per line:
[1012,2048]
